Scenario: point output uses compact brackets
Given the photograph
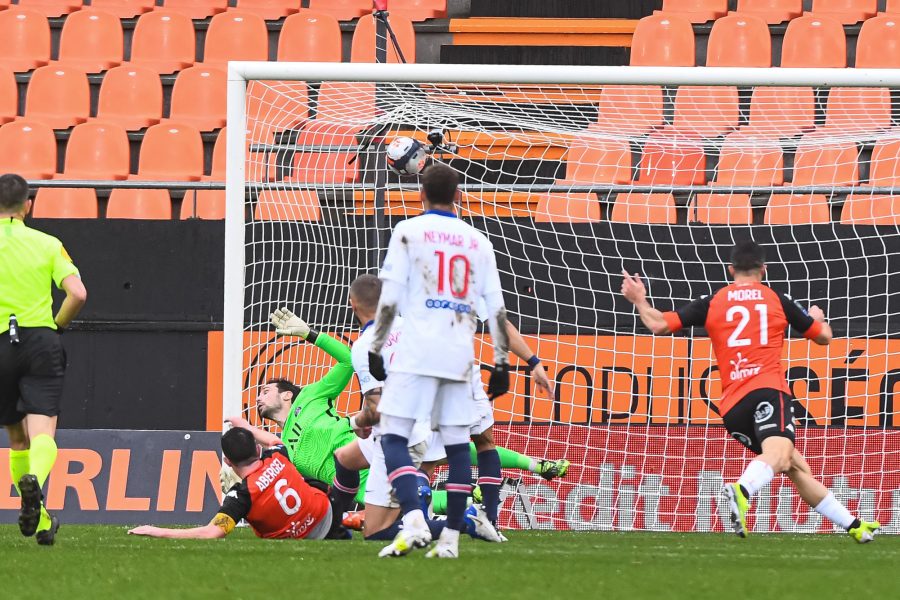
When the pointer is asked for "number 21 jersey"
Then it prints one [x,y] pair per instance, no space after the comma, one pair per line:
[445,265]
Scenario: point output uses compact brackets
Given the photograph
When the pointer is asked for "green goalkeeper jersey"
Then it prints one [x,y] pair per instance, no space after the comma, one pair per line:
[314,430]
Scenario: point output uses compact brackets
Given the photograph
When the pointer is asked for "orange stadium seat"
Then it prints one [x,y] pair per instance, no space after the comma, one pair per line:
[781,112]
[821,162]
[208,205]
[171,152]
[672,160]
[163,41]
[324,167]
[419,10]
[58,95]
[97,150]
[65,203]
[24,39]
[124,9]
[739,40]
[632,207]
[342,10]
[362,48]
[597,160]
[630,109]
[864,209]
[51,8]
[892,7]
[697,11]
[273,106]
[878,44]
[198,97]
[235,35]
[270,10]
[748,161]
[132,96]
[814,41]
[346,101]
[197,9]
[139,204]
[567,208]
[9,95]
[846,11]
[724,209]
[857,110]
[885,166]
[797,209]
[287,205]
[705,111]
[310,36]
[91,40]
[217,170]
[35,144]
[663,40]
[771,11]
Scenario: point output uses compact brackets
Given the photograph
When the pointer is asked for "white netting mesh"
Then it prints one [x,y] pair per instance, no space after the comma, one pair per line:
[573,184]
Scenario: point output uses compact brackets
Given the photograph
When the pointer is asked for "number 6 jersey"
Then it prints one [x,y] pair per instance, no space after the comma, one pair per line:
[445,266]
[746,323]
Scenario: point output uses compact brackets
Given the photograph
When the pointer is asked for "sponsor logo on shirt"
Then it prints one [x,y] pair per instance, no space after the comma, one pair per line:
[741,368]
[459,307]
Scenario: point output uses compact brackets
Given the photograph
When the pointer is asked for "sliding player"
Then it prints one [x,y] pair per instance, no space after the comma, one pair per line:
[271,495]
[746,322]
[436,268]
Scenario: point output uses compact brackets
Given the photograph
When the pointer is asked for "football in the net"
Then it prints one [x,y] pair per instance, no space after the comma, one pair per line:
[406,156]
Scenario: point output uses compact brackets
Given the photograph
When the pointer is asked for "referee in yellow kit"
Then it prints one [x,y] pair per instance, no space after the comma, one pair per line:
[32,358]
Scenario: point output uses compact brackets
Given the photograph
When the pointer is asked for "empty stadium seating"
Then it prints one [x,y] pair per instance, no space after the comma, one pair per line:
[846,11]
[35,144]
[598,161]
[171,152]
[139,204]
[65,203]
[705,111]
[197,9]
[51,8]
[673,160]
[97,150]
[24,39]
[696,11]
[287,205]
[884,169]
[9,95]
[772,11]
[198,97]
[343,10]
[865,209]
[748,161]
[310,36]
[663,40]
[781,111]
[124,9]
[235,35]
[821,161]
[739,40]
[631,110]
[631,207]
[857,110]
[269,10]
[363,46]
[814,41]
[797,209]
[59,96]
[878,44]
[163,41]
[132,96]
[91,40]
[569,207]
[724,209]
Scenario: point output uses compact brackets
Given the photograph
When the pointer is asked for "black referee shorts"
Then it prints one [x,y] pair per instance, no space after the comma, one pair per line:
[31,374]
[759,415]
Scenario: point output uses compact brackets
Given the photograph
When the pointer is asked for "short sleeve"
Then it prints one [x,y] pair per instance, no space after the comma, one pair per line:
[367,381]
[798,318]
[236,503]
[396,261]
[692,314]
[62,264]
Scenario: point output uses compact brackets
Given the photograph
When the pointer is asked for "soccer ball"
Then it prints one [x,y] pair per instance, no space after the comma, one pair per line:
[406,156]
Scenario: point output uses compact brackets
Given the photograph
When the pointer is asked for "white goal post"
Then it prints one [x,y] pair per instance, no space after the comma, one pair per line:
[634,414]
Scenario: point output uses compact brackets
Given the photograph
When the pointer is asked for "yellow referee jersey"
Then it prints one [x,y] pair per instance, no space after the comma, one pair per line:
[29,262]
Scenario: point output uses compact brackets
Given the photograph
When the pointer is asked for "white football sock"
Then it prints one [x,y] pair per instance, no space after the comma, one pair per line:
[756,476]
[450,536]
[835,512]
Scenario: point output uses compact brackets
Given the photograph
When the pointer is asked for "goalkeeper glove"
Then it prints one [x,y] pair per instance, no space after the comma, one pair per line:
[498,384]
[227,478]
[376,366]
[287,323]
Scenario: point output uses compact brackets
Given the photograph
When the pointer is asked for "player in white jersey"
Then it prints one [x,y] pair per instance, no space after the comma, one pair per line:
[436,269]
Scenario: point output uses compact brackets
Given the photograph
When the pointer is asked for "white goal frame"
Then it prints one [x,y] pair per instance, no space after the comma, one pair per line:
[239,73]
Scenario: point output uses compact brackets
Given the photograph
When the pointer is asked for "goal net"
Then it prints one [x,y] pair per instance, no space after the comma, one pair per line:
[577,174]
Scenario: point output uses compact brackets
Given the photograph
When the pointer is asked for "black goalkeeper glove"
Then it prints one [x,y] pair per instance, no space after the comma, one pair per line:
[376,366]
[499,381]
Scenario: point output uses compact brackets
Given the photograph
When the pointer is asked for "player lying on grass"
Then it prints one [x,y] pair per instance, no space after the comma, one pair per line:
[746,322]
[310,428]
[271,495]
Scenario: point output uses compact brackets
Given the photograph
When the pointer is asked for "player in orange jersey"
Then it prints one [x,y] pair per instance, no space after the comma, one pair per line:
[272,496]
[746,322]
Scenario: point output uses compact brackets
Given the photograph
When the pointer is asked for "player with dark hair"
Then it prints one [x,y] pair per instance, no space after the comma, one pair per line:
[271,495]
[746,322]
[32,356]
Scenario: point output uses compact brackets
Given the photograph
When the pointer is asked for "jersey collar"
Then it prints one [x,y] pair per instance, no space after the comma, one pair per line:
[440,213]
[366,326]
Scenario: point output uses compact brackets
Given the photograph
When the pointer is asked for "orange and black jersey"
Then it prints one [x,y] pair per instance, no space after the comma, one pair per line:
[275,499]
[746,324]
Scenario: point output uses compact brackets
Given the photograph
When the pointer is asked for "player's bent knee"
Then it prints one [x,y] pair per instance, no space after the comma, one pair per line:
[483,441]
[778,452]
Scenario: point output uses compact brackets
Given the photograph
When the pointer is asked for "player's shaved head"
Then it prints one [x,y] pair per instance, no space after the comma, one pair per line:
[13,192]
[365,292]
[747,256]
[439,183]
[239,446]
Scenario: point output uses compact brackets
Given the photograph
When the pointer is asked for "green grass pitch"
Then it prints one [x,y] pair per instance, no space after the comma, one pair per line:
[102,562]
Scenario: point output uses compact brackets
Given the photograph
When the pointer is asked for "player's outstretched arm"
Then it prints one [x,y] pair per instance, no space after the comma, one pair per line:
[634,291]
[519,347]
[219,527]
[264,438]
